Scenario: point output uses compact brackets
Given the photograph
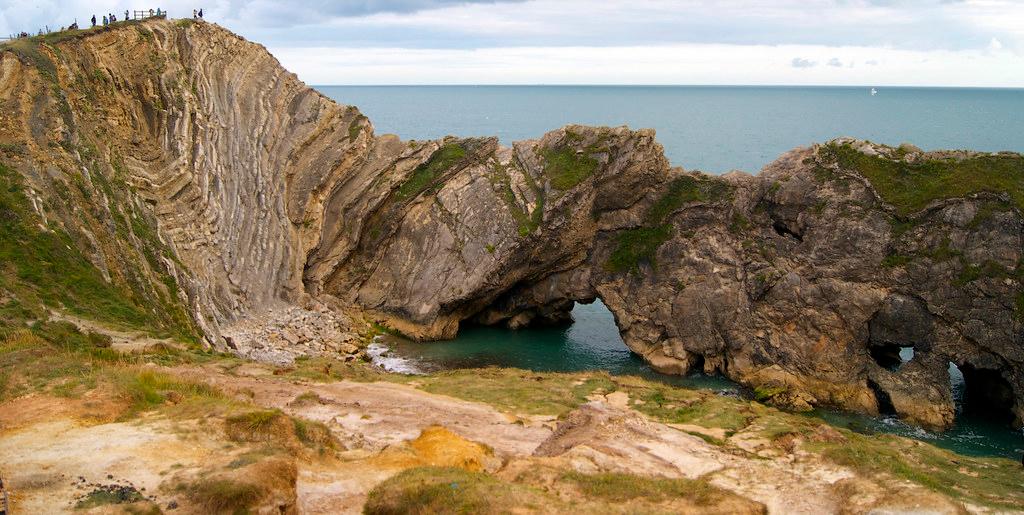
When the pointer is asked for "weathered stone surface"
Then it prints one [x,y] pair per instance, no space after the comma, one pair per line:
[802,280]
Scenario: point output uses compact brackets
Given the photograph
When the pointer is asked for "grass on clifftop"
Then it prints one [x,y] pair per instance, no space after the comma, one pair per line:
[909,187]
[566,168]
[684,189]
[640,245]
[425,175]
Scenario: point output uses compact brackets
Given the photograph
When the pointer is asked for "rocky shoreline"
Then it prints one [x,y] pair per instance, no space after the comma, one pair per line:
[218,190]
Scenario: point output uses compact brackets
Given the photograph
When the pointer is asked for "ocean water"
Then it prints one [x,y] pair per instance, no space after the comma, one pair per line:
[713,129]
[592,342]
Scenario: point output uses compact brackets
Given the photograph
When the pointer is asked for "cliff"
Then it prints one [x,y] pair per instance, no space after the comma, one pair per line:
[172,177]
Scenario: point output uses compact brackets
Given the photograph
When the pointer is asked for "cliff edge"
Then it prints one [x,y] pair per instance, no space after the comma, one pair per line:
[173,177]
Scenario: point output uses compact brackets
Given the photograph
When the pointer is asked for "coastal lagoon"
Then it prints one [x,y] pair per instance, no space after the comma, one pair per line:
[714,129]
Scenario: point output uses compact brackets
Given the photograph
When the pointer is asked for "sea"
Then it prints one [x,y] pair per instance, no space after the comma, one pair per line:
[714,129]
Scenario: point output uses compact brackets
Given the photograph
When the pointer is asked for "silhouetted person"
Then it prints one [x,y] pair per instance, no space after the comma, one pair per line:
[126,15]
[200,14]
[195,15]
[94,20]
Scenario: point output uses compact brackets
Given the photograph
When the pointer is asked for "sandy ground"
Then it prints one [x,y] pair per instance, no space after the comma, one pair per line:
[50,445]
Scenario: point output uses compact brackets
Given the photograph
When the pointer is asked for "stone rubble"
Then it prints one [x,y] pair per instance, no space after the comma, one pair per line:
[281,334]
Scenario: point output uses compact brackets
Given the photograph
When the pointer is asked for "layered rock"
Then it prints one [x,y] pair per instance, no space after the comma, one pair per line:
[804,281]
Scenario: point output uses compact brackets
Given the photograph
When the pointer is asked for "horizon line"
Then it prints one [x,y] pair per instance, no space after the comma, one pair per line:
[866,86]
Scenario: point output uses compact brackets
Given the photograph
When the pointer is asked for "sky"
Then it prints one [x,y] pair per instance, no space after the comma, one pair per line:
[740,42]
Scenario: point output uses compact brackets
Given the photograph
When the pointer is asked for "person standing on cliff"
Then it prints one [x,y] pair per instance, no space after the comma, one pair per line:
[126,15]
[200,14]
[94,20]
[105,21]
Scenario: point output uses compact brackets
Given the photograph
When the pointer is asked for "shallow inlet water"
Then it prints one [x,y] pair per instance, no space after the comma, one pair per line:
[593,343]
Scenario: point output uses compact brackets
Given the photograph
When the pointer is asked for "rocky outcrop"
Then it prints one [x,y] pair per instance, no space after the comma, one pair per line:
[805,281]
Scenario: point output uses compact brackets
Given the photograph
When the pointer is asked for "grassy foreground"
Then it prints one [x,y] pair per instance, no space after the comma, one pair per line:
[56,359]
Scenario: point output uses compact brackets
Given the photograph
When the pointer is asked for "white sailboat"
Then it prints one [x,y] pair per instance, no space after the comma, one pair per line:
[874,91]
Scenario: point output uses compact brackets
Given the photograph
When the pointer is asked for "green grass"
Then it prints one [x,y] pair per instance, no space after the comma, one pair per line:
[261,425]
[764,393]
[896,260]
[427,490]
[618,488]
[565,167]
[972,272]
[147,389]
[224,495]
[909,187]
[681,406]
[526,222]
[637,246]
[991,482]
[45,267]
[683,190]
[425,175]
[109,495]
[355,127]
[314,435]
[518,391]
[987,211]
[28,50]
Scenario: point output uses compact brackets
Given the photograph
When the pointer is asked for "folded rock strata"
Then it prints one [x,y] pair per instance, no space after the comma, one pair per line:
[805,281]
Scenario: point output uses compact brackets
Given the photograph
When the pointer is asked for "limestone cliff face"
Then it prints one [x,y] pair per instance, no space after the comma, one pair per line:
[804,281]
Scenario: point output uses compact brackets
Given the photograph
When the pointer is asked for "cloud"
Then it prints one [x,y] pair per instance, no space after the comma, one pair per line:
[799,62]
[660,64]
[939,31]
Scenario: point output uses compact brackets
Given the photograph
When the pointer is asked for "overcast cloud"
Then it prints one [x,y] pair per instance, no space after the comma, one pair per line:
[863,42]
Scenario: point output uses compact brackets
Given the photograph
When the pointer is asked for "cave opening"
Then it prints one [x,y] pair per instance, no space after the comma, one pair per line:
[981,393]
[782,230]
[882,398]
[891,356]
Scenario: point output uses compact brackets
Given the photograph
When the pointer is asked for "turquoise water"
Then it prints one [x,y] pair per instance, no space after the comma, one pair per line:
[714,129]
[593,343]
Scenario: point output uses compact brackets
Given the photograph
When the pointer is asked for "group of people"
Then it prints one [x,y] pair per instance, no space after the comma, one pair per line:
[112,18]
